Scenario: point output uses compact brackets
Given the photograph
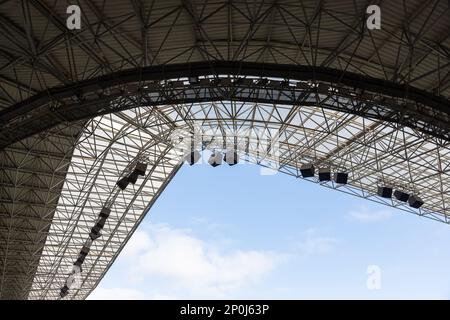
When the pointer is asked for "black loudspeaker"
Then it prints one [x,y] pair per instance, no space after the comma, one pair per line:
[193,80]
[307,170]
[325,174]
[385,192]
[415,202]
[123,183]
[101,222]
[231,158]
[192,157]
[401,196]
[341,178]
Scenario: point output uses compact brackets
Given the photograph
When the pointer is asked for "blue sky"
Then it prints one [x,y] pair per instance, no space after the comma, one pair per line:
[231,233]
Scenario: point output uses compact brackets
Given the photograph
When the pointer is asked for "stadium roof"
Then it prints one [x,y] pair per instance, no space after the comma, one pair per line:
[77,106]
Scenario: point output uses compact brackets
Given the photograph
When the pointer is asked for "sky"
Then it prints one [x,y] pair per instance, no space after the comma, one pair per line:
[232,233]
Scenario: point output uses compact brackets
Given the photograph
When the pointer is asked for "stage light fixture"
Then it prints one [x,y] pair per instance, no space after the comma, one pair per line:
[307,170]
[415,201]
[325,174]
[384,192]
[193,157]
[401,196]
[231,157]
[123,183]
[341,177]
[215,159]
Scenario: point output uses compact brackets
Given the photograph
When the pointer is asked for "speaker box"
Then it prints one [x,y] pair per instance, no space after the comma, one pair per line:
[307,170]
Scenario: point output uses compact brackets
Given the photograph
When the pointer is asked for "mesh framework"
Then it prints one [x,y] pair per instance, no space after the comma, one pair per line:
[53,182]
[373,152]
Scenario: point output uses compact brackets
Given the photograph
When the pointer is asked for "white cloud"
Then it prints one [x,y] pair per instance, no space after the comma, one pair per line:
[314,243]
[364,215]
[190,267]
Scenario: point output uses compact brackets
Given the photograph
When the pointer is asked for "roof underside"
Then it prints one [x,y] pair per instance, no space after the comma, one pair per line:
[46,209]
